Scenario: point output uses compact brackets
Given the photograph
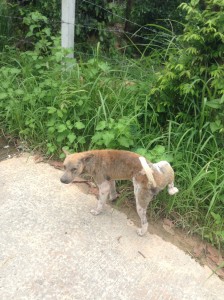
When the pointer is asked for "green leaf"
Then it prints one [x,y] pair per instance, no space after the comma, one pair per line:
[61,128]
[104,66]
[141,151]
[51,122]
[97,138]
[194,2]
[61,136]
[101,125]
[168,157]
[79,125]
[60,113]
[51,148]
[51,130]
[71,137]
[215,126]
[222,99]
[19,92]
[69,124]
[108,137]
[159,149]
[125,142]
[51,109]
[214,103]
[3,96]
[217,218]
[81,140]
[47,31]
[15,71]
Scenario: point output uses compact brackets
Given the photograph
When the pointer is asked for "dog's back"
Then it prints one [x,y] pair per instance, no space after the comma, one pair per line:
[116,164]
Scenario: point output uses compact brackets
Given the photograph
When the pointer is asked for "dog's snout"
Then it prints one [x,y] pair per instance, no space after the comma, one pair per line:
[64,180]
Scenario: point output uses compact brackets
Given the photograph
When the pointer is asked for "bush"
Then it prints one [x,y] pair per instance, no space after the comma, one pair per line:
[191,83]
[189,91]
[93,104]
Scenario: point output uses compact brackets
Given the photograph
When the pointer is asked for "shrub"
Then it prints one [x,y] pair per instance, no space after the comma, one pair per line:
[191,83]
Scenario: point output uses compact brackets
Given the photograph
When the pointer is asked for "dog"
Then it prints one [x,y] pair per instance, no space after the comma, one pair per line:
[106,166]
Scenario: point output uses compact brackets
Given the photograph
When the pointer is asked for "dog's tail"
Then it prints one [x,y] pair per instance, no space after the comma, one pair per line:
[148,171]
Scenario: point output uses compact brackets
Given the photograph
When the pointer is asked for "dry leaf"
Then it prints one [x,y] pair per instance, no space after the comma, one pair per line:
[56,164]
[168,223]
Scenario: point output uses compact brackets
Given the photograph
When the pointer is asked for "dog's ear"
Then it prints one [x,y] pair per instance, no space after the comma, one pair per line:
[87,158]
[66,152]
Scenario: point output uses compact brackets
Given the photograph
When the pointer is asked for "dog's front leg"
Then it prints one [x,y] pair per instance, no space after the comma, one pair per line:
[144,223]
[113,193]
[142,196]
[104,191]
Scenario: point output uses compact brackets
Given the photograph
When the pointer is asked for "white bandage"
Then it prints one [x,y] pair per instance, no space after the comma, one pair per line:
[173,190]
[148,170]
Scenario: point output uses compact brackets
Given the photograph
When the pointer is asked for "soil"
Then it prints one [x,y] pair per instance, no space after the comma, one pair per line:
[8,148]
[201,251]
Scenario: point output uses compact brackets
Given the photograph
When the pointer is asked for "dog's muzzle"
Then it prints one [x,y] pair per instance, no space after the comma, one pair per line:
[64,180]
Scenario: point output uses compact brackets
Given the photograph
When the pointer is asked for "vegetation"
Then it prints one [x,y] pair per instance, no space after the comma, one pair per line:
[165,103]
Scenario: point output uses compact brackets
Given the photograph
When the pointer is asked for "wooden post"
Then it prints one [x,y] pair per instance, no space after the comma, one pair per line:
[68,25]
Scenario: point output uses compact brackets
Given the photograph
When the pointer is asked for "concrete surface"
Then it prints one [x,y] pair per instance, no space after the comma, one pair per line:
[52,247]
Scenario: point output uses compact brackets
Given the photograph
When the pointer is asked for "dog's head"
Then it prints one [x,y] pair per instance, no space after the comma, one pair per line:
[74,165]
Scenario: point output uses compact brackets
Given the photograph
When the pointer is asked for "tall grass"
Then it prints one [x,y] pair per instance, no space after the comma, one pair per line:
[199,176]
[98,104]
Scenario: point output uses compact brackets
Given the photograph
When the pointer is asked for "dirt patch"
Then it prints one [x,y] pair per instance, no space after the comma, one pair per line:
[8,148]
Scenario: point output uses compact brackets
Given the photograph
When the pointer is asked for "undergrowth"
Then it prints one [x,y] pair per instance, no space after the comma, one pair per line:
[89,104]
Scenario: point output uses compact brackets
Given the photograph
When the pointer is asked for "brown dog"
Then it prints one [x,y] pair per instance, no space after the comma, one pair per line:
[106,166]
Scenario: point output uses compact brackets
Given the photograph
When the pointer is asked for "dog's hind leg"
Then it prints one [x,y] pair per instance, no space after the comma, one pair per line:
[113,193]
[104,191]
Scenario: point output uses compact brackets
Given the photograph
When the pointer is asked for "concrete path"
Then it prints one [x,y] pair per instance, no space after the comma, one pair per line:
[51,247]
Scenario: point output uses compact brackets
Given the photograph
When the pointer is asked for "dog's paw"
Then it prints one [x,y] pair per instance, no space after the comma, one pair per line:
[143,230]
[95,212]
[113,197]
[139,232]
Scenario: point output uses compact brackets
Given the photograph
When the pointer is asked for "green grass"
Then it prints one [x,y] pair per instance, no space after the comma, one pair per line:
[99,104]
[198,206]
